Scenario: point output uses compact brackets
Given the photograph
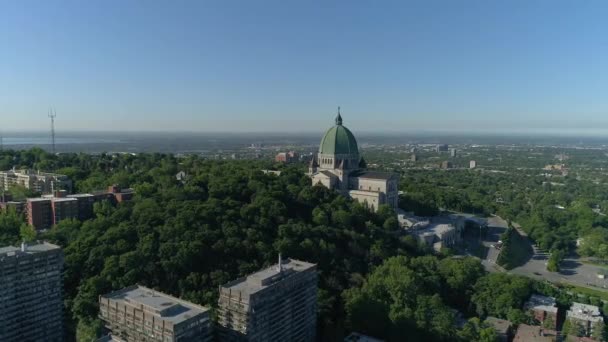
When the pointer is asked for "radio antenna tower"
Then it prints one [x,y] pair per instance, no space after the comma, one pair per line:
[52,115]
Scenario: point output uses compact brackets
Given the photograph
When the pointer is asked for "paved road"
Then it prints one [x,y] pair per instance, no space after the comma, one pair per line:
[572,270]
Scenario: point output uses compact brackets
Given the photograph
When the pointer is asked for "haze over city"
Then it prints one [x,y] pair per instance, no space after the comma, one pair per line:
[241,66]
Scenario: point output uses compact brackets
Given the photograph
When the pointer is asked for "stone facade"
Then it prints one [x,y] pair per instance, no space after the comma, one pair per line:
[339,166]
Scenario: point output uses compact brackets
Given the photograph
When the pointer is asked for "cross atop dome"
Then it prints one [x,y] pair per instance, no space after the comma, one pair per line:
[339,118]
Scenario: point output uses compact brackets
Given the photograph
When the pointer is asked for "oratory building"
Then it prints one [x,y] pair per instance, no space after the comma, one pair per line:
[339,166]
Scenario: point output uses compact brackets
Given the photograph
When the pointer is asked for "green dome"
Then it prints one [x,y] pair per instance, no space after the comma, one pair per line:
[339,140]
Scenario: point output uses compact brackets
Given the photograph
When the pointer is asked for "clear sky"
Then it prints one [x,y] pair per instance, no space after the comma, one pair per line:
[286,65]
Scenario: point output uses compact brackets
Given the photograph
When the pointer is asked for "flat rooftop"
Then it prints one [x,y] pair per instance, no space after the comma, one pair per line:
[39,199]
[584,312]
[162,305]
[64,199]
[29,249]
[435,228]
[79,195]
[267,277]
[544,303]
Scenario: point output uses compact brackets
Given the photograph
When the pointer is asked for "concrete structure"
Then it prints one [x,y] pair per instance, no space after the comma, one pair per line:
[275,304]
[446,165]
[31,293]
[286,157]
[453,152]
[585,316]
[414,157]
[503,328]
[441,148]
[543,308]
[408,220]
[137,313]
[439,235]
[529,333]
[472,164]
[356,337]
[42,182]
[339,166]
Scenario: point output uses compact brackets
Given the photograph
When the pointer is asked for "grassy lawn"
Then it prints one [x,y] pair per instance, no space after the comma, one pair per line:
[586,291]
[595,263]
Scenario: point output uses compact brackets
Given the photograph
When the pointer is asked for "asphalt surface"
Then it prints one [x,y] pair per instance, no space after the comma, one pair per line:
[573,271]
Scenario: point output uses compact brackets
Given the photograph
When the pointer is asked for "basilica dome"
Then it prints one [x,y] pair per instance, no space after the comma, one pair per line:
[339,140]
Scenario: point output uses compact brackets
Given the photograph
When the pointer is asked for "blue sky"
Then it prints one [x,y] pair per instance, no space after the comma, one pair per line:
[286,65]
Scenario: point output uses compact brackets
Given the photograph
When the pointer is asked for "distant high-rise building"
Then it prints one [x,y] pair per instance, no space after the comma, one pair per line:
[446,164]
[441,148]
[414,157]
[472,164]
[453,152]
[31,283]
[137,313]
[286,157]
[42,182]
[275,304]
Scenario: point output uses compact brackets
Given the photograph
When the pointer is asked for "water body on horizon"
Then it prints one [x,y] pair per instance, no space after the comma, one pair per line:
[191,142]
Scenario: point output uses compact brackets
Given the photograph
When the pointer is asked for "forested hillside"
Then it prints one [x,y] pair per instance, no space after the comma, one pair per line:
[228,219]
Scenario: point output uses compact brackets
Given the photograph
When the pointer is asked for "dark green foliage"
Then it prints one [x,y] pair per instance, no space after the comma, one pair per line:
[410,295]
[498,294]
[515,250]
[10,224]
[227,220]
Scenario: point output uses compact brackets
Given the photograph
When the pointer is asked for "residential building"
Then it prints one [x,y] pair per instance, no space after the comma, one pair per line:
[357,337]
[446,164]
[414,157]
[278,303]
[503,328]
[339,166]
[472,164]
[286,157]
[453,152]
[64,208]
[85,203]
[534,333]
[441,148]
[19,207]
[120,194]
[584,316]
[42,182]
[544,310]
[137,313]
[31,293]
[40,213]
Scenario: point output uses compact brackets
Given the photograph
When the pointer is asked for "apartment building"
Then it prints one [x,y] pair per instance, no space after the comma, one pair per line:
[275,304]
[137,313]
[31,293]
[42,182]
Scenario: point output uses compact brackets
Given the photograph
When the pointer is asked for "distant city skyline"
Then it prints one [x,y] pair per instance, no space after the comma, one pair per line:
[471,66]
